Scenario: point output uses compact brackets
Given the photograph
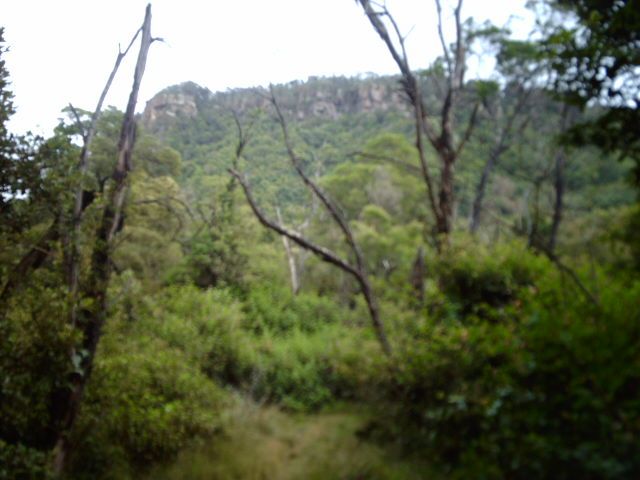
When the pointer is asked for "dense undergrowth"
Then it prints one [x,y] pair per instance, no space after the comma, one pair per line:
[505,364]
[506,371]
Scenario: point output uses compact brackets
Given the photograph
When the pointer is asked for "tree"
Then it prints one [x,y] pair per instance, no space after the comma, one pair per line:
[92,313]
[594,51]
[508,108]
[356,269]
[20,168]
[440,134]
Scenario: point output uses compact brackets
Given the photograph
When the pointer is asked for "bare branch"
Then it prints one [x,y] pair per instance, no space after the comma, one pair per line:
[459,65]
[325,255]
[329,205]
[76,117]
[469,130]
[393,161]
[443,43]
[244,135]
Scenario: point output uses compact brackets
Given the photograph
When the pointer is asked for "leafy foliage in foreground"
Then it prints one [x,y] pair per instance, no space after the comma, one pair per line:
[543,384]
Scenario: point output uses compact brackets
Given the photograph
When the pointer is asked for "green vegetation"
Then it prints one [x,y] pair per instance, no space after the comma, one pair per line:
[515,348]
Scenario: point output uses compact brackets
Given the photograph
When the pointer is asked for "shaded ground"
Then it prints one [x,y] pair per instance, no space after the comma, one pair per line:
[264,443]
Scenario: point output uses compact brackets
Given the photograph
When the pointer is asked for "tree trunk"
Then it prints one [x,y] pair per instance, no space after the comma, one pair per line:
[91,318]
[417,276]
[559,184]
[73,268]
[293,270]
[446,195]
[476,211]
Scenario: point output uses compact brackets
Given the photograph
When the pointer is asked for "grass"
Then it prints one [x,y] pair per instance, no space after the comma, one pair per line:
[264,443]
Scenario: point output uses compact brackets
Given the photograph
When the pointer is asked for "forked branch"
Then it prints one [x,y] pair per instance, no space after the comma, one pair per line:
[325,255]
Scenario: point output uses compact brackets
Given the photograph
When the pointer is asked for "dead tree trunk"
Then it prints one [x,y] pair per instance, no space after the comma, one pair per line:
[291,260]
[91,319]
[358,270]
[441,138]
[73,267]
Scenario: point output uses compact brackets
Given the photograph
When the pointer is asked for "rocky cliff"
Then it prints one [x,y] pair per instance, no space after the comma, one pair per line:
[327,98]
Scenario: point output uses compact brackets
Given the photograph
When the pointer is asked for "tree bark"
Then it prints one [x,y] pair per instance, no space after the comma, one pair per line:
[291,260]
[495,154]
[91,318]
[559,184]
[442,141]
[83,166]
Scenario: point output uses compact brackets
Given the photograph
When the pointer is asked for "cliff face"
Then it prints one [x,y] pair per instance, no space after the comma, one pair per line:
[171,104]
[327,98]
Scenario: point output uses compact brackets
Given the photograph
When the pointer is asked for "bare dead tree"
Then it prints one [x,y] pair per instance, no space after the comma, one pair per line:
[91,317]
[291,259]
[357,269]
[440,137]
[73,267]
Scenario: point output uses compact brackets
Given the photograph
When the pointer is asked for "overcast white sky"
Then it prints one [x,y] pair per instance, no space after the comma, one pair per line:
[62,51]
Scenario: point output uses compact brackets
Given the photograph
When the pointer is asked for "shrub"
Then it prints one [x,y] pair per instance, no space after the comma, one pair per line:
[483,280]
[552,394]
[307,371]
[276,310]
[149,395]
[34,364]
[20,462]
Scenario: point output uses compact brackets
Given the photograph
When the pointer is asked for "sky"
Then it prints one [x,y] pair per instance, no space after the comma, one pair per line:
[62,51]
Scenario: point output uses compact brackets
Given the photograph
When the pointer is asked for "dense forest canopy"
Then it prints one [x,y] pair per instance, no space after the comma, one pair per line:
[419,275]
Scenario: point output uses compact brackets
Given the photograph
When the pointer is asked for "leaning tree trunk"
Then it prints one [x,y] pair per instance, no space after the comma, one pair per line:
[357,269]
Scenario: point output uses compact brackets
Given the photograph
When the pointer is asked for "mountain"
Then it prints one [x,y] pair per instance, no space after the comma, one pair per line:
[327,98]
[331,118]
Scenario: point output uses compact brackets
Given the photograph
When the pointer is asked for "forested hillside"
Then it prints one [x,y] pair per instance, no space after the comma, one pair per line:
[335,119]
[382,277]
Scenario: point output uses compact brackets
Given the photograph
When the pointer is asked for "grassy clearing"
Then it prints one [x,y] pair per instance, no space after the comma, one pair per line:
[263,442]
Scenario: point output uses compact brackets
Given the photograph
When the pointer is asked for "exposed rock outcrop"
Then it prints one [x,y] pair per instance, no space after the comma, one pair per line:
[316,98]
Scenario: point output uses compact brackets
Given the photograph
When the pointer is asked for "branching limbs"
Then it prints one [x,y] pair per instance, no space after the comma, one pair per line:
[442,140]
[411,88]
[92,315]
[357,270]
